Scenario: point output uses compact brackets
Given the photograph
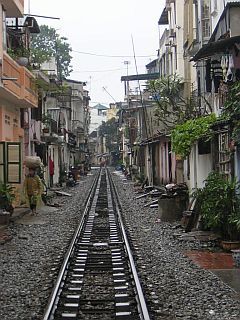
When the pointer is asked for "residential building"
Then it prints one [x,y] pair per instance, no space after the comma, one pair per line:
[98,115]
[213,45]
[17,95]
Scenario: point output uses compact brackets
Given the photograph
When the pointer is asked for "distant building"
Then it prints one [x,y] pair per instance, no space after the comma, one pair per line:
[98,115]
[112,111]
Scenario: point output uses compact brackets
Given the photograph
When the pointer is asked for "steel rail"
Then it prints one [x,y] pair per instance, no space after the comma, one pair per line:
[144,314]
[54,295]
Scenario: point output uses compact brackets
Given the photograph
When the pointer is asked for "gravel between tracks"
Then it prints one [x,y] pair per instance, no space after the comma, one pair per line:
[30,262]
[178,288]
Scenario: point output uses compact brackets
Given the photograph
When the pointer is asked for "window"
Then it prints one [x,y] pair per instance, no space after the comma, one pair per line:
[205,17]
[2,162]
[4,30]
[10,162]
[204,147]
[224,154]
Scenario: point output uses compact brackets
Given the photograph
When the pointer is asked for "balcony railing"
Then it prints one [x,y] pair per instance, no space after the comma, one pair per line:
[29,92]
[20,87]
[12,70]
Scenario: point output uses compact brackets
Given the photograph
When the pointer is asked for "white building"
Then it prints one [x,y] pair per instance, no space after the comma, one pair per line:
[98,115]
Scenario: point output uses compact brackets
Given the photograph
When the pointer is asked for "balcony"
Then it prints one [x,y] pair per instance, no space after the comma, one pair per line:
[28,93]
[21,91]
[14,8]
[50,131]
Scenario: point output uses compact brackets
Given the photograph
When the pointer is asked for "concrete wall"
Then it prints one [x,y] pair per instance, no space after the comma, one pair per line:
[200,167]
[10,122]
[96,120]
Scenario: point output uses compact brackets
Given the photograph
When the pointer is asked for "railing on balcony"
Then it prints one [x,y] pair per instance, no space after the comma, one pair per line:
[29,92]
[11,70]
[22,88]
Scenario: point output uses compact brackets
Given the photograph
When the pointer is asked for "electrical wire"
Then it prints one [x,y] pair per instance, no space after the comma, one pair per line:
[107,70]
[111,56]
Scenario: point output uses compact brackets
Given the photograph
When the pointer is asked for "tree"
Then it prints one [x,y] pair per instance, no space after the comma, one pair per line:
[48,44]
[109,129]
[172,107]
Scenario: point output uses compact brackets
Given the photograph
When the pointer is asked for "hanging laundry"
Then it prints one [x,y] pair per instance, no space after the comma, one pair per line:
[224,65]
[231,70]
[216,73]
[236,60]
[208,78]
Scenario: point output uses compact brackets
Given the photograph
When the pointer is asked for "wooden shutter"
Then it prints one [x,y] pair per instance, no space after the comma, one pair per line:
[13,151]
[2,163]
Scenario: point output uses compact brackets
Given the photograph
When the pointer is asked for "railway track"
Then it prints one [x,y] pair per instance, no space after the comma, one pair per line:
[98,278]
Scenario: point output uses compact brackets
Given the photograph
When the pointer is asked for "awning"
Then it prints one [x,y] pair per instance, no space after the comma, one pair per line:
[217,47]
[164,17]
[146,76]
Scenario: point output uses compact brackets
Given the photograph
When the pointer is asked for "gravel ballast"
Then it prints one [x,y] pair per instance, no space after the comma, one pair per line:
[175,286]
[30,262]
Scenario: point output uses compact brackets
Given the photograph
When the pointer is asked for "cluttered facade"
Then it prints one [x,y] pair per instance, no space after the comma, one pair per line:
[183,127]
[199,46]
[41,114]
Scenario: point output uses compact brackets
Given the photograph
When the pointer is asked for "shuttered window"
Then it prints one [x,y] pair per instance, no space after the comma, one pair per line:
[10,162]
[2,162]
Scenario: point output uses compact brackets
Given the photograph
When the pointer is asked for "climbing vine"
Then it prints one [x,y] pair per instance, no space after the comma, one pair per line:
[185,135]
[231,110]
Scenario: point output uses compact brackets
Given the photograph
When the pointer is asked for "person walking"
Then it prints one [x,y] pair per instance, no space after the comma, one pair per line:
[33,190]
[51,171]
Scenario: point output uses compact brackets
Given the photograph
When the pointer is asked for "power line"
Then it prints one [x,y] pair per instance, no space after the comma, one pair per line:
[107,70]
[110,56]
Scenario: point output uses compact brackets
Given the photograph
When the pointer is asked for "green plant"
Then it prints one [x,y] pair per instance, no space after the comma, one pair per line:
[47,45]
[219,205]
[172,105]
[18,52]
[46,119]
[232,104]
[231,110]
[7,197]
[11,53]
[185,135]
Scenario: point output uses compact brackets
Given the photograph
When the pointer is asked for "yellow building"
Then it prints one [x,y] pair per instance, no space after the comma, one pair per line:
[112,111]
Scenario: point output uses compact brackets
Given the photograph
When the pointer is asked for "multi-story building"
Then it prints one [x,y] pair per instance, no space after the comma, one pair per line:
[17,94]
[211,42]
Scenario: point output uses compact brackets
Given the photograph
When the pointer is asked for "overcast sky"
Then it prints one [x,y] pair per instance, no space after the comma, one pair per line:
[104,27]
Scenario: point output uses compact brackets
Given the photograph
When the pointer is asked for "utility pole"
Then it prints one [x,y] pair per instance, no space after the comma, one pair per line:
[127,63]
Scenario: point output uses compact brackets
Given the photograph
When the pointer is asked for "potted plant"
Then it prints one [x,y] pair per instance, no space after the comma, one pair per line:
[21,55]
[219,205]
[7,197]
[46,120]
